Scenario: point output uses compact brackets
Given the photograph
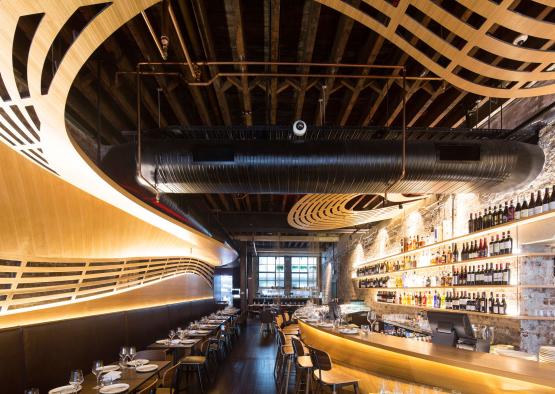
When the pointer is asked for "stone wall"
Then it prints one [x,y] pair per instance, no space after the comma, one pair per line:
[447,213]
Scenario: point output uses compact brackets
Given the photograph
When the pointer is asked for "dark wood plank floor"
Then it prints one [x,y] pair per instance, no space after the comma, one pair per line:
[250,365]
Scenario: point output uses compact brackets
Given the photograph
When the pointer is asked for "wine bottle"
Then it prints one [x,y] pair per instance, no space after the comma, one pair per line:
[496,245]
[507,275]
[509,243]
[538,208]
[503,306]
[484,304]
[505,214]
[524,210]
[496,305]
[531,205]
[511,214]
[552,199]
[545,205]
[491,245]
[491,301]
[517,209]
[470,225]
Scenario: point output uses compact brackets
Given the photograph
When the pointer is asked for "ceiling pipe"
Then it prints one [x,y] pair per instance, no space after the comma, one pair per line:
[193,69]
[153,35]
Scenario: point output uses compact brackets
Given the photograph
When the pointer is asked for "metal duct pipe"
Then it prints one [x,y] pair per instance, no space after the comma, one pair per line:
[341,167]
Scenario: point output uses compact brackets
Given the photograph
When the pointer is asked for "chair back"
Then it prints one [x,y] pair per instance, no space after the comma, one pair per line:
[286,316]
[281,337]
[320,360]
[169,378]
[279,320]
[297,346]
[150,388]
[203,347]
[152,355]
[266,316]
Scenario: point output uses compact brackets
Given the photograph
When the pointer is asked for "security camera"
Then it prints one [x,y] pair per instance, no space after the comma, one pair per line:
[299,128]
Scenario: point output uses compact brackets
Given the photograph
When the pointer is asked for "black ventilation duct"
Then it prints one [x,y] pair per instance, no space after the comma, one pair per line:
[297,167]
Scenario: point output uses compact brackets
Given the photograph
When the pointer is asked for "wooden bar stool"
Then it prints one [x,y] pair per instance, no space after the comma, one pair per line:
[303,366]
[325,374]
[286,355]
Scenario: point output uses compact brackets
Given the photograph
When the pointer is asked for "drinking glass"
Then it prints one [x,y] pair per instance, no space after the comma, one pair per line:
[97,372]
[132,352]
[365,328]
[171,335]
[123,353]
[76,378]
[488,334]
[371,318]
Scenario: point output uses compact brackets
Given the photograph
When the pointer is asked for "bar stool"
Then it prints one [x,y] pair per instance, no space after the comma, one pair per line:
[285,357]
[266,321]
[303,365]
[198,363]
[324,373]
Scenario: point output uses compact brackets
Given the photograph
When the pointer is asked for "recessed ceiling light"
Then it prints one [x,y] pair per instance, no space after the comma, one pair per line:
[520,40]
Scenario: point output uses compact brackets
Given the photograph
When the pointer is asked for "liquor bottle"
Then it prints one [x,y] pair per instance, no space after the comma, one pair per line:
[531,205]
[479,225]
[505,214]
[491,245]
[552,199]
[509,243]
[484,303]
[496,245]
[494,217]
[470,225]
[507,274]
[496,305]
[545,201]
[491,301]
[538,208]
[503,306]
[517,209]
[455,254]
[448,304]
[511,214]
[524,210]
[502,245]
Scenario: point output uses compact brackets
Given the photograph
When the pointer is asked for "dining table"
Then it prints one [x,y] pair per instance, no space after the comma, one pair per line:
[129,375]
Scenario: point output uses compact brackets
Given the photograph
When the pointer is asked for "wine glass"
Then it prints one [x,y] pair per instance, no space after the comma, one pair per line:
[33,390]
[371,318]
[123,353]
[76,379]
[132,352]
[97,367]
[171,335]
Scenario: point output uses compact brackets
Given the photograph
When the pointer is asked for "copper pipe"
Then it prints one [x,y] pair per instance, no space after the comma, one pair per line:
[303,64]
[153,34]
[192,69]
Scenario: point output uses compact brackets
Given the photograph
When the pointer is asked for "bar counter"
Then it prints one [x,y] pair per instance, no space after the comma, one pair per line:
[374,354]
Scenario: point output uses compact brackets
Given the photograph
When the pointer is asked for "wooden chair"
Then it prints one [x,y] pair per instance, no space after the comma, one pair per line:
[266,321]
[150,387]
[325,375]
[303,365]
[170,381]
[284,359]
[152,355]
[198,363]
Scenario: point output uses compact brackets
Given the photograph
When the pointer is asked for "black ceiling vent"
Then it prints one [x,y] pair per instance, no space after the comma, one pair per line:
[312,166]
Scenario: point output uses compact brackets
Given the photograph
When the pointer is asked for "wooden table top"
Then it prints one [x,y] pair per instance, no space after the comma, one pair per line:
[510,367]
[133,378]
[175,345]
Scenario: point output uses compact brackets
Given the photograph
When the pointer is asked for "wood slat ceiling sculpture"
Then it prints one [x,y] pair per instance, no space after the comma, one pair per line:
[460,64]
[315,212]
[33,121]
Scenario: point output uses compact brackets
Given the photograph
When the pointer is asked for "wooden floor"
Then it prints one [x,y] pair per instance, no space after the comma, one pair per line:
[249,367]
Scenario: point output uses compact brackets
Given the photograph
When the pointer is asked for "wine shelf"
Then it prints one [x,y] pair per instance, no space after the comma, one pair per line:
[462,238]
[471,261]
[517,317]
[441,287]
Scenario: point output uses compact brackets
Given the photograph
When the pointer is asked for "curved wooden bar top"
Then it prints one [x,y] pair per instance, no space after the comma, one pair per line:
[373,355]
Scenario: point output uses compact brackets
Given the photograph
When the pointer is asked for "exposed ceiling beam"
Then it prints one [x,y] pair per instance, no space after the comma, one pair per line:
[205,33]
[224,201]
[288,252]
[361,83]
[307,39]
[288,238]
[151,54]
[343,32]
[272,9]
[237,41]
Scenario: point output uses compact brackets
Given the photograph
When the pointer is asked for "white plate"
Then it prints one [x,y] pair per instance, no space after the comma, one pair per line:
[109,368]
[349,331]
[189,341]
[325,325]
[64,390]
[114,388]
[139,361]
[147,368]
[203,331]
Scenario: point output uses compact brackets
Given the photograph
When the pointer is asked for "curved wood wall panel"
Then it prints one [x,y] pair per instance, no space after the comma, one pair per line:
[397,23]
[167,291]
[32,122]
[330,211]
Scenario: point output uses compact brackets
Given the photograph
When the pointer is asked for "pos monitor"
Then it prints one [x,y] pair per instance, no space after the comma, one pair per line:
[448,328]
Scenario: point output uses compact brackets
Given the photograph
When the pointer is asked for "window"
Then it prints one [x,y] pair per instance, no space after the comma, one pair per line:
[304,272]
[271,272]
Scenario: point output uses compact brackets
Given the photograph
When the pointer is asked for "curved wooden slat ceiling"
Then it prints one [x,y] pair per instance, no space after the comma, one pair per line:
[50,144]
[494,14]
[329,211]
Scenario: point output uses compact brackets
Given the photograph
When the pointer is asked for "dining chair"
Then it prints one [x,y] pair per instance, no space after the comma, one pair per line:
[170,381]
[150,387]
[198,363]
[325,374]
